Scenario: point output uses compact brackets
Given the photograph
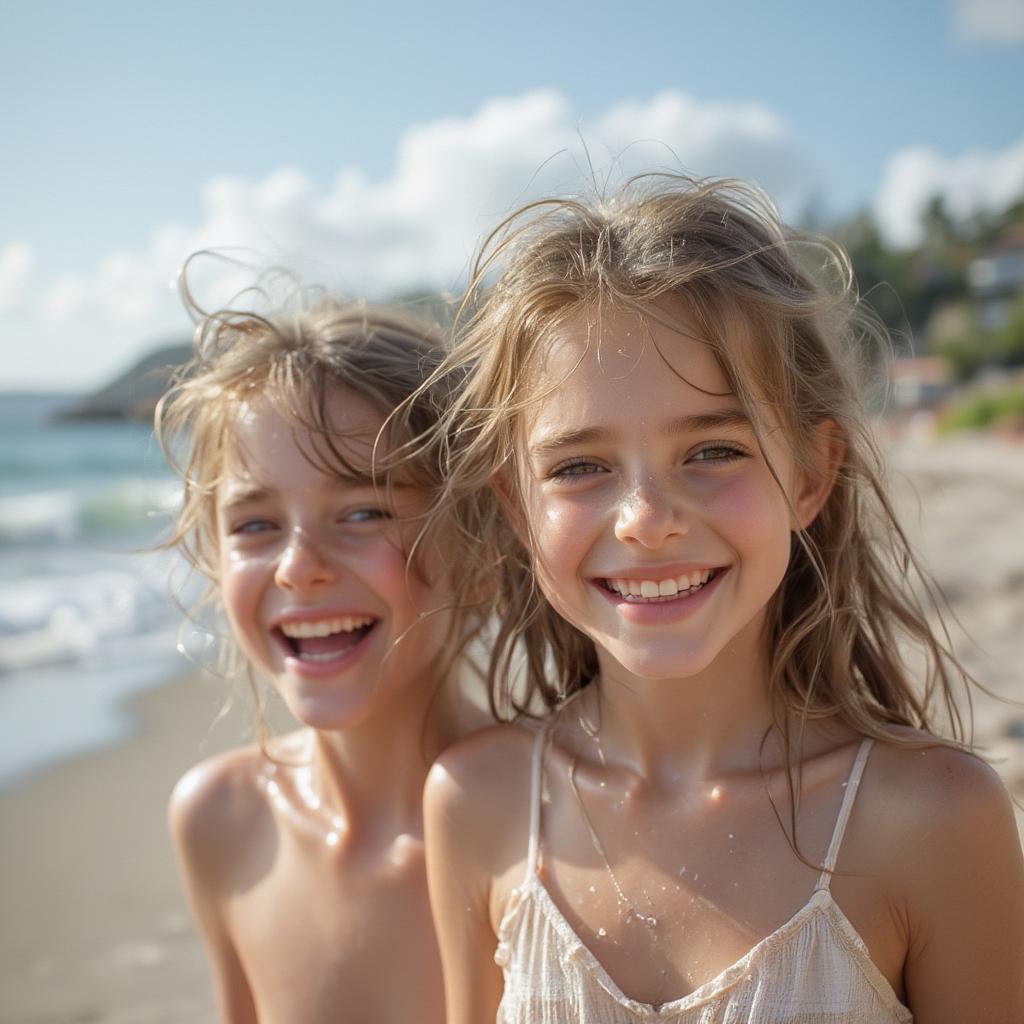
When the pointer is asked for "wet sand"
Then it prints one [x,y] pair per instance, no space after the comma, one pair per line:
[95,928]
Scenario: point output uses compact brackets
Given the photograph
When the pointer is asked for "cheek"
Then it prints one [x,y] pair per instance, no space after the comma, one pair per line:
[560,527]
[564,533]
[754,516]
[381,562]
[238,585]
[427,585]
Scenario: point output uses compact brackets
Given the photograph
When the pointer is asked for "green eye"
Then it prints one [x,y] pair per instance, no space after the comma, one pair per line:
[581,467]
[718,453]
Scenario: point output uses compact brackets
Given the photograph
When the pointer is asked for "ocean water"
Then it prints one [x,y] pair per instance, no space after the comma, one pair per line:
[87,612]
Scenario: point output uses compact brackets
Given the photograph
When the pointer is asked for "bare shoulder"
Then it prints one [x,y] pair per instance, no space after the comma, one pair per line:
[214,804]
[935,786]
[481,770]
[479,789]
[939,814]
[939,830]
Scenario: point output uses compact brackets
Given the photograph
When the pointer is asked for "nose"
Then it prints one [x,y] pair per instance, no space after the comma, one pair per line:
[303,563]
[650,514]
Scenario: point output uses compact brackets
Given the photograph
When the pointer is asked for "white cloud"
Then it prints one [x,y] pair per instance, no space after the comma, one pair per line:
[16,263]
[724,140]
[968,184]
[453,178]
[989,21]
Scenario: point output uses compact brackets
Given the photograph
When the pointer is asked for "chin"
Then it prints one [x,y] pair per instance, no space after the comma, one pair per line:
[657,665]
[328,710]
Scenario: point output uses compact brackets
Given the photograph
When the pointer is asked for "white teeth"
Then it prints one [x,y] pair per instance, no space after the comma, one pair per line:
[324,627]
[660,588]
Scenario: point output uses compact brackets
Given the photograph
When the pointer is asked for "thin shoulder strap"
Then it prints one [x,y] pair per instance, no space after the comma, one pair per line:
[852,784]
[540,744]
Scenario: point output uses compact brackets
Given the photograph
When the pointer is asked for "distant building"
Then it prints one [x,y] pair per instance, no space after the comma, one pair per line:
[922,382]
[996,279]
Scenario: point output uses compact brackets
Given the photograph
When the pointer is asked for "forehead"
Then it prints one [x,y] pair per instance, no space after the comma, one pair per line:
[643,364]
[263,433]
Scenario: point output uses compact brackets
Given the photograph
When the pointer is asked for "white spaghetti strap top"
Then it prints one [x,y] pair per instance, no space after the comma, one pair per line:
[814,969]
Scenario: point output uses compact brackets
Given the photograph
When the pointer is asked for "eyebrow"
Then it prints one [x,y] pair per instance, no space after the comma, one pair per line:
[244,496]
[679,425]
[238,496]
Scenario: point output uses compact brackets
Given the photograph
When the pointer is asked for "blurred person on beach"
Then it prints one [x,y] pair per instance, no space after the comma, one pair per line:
[302,854]
[744,804]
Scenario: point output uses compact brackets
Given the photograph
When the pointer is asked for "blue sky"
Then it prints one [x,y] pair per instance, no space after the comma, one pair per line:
[117,117]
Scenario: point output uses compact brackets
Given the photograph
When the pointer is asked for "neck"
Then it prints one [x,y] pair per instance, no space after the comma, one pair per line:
[699,728]
[371,774]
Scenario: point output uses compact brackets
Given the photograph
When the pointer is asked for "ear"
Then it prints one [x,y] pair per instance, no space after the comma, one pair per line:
[814,485]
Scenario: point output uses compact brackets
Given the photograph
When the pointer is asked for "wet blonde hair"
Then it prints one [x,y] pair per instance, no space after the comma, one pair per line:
[806,348]
[294,361]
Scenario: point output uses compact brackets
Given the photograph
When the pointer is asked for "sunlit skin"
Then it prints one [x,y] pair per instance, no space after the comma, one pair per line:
[307,875]
[665,482]
[635,463]
[298,545]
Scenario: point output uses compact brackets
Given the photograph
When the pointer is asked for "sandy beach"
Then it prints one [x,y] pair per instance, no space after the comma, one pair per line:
[95,928]
[95,925]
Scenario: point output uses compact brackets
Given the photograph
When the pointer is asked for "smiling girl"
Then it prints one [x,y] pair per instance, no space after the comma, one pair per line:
[303,855]
[744,806]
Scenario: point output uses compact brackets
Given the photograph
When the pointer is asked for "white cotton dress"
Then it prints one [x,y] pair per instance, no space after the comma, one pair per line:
[815,969]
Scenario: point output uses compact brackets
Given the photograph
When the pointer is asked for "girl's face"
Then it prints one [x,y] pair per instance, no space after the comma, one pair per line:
[657,527]
[313,568]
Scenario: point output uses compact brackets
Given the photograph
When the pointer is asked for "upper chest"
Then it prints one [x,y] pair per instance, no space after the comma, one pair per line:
[319,931]
[668,893]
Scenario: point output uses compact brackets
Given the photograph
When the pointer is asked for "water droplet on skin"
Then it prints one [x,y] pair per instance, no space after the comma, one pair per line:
[601,784]
[731,836]
[332,839]
[593,888]
[602,932]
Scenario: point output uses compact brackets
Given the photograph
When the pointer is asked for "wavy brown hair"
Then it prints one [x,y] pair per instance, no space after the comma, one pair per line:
[854,597]
[295,360]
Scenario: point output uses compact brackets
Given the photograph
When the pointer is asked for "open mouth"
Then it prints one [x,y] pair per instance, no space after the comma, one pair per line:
[641,591]
[324,640]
